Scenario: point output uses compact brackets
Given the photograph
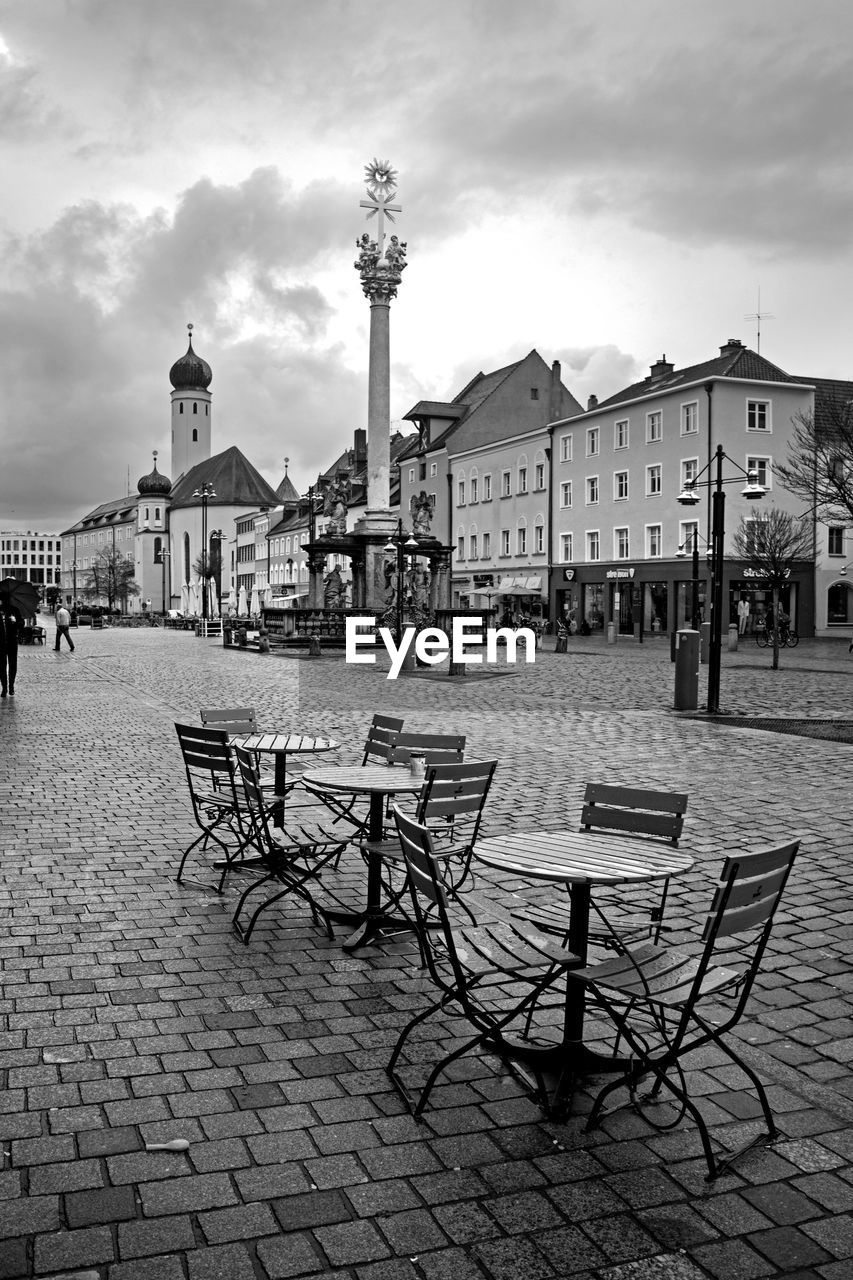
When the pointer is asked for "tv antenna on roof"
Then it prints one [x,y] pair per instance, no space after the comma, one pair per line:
[758,316]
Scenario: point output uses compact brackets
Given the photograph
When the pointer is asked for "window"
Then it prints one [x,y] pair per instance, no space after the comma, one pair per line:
[473,486]
[653,480]
[534,393]
[522,479]
[411,475]
[593,441]
[620,544]
[195,434]
[690,418]
[504,542]
[461,493]
[566,493]
[593,546]
[487,488]
[654,426]
[487,545]
[835,540]
[195,407]
[181,407]
[538,538]
[506,484]
[521,541]
[591,490]
[620,434]
[565,448]
[689,471]
[758,415]
[620,486]
[566,555]
[654,541]
[422,470]
[754,530]
[539,476]
[460,547]
[433,470]
[473,546]
[761,467]
[839,603]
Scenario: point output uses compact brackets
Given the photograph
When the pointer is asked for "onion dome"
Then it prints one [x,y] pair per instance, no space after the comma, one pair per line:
[190,372]
[154,485]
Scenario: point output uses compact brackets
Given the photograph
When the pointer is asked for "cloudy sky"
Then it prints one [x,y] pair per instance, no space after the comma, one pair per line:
[605,181]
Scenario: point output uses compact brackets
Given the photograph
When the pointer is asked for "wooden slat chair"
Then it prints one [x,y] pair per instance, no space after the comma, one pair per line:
[451,806]
[293,857]
[666,1004]
[353,810]
[218,813]
[490,974]
[237,720]
[634,812]
[437,748]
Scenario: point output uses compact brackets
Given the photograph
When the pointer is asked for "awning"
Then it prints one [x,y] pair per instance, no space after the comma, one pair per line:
[506,586]
[534,584]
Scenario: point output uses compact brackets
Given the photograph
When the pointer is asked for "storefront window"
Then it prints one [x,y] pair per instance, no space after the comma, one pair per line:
[655,598]
[593,605]
[839,604]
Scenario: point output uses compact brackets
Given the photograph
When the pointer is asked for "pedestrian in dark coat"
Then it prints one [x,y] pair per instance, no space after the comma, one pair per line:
[10,624]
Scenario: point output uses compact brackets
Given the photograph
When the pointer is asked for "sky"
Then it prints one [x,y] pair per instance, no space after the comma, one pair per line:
[607,181]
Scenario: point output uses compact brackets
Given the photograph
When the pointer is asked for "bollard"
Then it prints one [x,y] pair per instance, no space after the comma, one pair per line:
[732,637]
[611,633]
[704,641]
[672,643]
[686,670]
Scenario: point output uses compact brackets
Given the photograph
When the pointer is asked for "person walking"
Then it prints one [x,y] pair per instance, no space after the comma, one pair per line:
[9,627]
[63,622]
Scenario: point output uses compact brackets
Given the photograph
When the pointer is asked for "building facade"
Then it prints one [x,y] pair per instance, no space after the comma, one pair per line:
[31,556]
[621,545]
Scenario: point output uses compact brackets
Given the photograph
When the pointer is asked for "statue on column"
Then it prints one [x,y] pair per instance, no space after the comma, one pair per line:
[335,506]
[420,508]
[334,590]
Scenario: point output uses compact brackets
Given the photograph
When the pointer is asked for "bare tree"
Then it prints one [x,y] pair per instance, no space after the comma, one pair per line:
[772,544]
[819,463]
[110,576]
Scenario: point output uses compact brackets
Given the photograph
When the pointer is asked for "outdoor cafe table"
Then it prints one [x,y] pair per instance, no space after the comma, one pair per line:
[378,782]
[280,746]
[581,861]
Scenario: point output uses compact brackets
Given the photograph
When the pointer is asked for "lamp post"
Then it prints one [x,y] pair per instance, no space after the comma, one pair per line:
[164,557]
[204,493]
[689,498]
[397,545]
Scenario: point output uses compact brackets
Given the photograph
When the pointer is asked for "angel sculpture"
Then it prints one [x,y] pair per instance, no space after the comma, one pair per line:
[421,512]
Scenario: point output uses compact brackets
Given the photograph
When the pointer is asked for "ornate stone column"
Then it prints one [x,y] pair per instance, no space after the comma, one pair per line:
[380,267]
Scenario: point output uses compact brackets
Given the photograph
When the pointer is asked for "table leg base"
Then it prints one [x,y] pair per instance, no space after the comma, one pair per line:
[370,926]
[550,1070]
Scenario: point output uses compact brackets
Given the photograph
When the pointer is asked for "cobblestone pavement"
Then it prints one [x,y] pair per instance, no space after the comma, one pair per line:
[131,1013]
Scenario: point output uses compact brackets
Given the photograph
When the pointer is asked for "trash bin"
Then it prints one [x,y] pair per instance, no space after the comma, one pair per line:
[686,670]
[732,637]
[611,633]
[704,641]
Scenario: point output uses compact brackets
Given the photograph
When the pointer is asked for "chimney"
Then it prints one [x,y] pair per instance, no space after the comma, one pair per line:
[731,347]
[360,443]
[556,388]
[592,403]
[661,368]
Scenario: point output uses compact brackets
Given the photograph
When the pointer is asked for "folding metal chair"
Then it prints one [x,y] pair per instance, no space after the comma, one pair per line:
[491,974]
[632,811]
[666,1004]
[209,765]
[292,858]
[349,809]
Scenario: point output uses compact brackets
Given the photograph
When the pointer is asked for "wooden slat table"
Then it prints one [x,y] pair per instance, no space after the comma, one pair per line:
[282,745]
[579,860]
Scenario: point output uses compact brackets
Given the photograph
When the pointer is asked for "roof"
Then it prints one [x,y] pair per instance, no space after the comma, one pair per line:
[456,411]
[734,361]
[286,490]
[434,409]
[235,481]
[833,404]
[108,514]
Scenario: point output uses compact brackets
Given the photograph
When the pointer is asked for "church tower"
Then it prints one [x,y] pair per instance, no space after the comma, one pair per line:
[191,411]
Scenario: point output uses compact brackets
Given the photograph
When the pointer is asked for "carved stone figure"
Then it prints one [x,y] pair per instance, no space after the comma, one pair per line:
[334,590]
[389,572]
[368,253]
[419,581]
[335,506]
[395,254]
[420,508]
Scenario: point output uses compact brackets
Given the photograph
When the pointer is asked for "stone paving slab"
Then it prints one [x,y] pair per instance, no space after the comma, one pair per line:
[130,1012]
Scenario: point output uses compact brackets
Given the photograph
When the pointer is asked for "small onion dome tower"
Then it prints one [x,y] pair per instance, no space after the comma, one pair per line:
[153,510]
[154,485]
[191,410]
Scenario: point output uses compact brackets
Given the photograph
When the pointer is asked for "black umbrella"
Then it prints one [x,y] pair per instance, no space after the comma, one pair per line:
[21,595]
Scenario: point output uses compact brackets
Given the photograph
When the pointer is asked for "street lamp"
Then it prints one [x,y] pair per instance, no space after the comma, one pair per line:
[397,546]
[689,498]
[163,557]
[693,540]
[204,493]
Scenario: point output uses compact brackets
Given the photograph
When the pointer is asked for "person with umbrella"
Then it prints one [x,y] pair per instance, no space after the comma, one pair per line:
[18,599]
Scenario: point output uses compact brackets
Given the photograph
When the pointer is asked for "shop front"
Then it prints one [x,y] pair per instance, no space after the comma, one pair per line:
[521,596]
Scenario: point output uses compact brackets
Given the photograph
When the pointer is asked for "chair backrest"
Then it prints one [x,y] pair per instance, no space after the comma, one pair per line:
[634,811]
[207,758]
[438,748]
[251,781]
[740,920]
[456,794]
[429,896]
[231,719]
[381,737]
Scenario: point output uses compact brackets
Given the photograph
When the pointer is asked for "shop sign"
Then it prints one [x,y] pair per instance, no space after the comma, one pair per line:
[483,580]
[758,573]
[569,575]
[619,573]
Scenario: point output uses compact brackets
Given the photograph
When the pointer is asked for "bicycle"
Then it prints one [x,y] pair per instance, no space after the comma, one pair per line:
[787,637]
